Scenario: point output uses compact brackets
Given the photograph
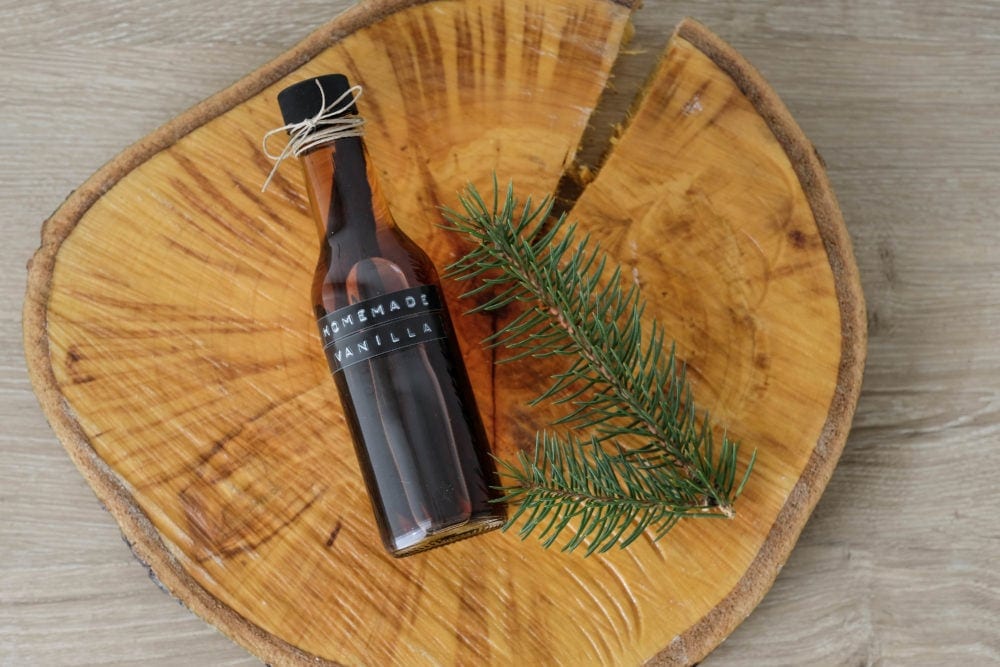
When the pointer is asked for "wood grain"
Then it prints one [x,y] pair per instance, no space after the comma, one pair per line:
[902,533]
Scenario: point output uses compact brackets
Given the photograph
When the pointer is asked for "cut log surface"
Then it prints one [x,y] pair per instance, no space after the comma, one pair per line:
[170,338]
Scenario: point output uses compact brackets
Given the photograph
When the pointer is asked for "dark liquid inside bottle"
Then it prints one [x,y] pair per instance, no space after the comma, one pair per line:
[389,340]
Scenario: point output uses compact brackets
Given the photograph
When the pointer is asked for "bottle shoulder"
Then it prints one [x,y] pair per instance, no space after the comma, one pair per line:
[344,277]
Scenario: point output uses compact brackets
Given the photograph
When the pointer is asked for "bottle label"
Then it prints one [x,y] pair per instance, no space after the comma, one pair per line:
[381,325]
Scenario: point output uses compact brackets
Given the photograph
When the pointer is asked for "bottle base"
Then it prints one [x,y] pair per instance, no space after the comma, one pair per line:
[418,540]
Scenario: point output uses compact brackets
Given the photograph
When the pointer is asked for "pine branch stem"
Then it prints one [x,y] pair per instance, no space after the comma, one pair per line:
[555,493]
[589,352]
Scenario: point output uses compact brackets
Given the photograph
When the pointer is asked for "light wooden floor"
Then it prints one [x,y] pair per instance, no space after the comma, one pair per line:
[899,562]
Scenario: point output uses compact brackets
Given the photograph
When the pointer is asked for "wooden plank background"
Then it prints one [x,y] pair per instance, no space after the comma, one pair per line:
[899,562]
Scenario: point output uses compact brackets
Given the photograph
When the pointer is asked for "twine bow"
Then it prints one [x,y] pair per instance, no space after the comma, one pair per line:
[327,125]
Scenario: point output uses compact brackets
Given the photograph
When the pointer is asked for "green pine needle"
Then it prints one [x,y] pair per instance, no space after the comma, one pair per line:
[620,384]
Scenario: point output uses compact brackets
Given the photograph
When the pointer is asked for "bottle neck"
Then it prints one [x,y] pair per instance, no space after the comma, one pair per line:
[346,200]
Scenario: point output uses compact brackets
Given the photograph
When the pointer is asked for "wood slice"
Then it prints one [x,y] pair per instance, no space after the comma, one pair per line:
[170,339]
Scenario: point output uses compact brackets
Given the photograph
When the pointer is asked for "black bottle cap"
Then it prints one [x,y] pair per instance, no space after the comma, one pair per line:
[303,99]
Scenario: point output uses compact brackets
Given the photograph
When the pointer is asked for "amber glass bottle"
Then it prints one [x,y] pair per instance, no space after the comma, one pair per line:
[390,345]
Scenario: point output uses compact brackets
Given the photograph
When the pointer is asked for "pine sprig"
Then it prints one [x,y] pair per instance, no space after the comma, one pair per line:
[620,384]
[613,499]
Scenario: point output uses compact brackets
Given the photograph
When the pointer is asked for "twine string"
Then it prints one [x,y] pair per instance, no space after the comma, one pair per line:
[326,126]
